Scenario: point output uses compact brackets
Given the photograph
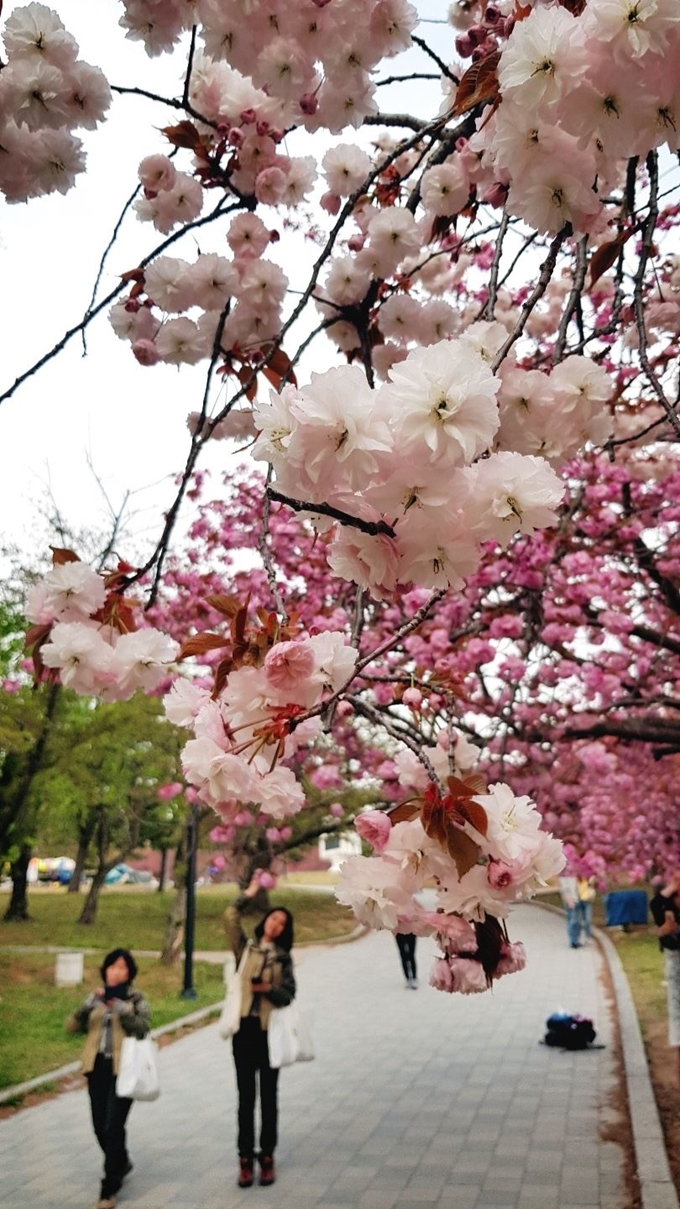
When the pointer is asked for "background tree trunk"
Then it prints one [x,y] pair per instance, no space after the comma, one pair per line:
[174,928]
[85,834]
[89,911]
[163,871]
[17,911]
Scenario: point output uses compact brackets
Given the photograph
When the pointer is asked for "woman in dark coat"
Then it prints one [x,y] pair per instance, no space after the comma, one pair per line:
[114,1011]
[265,969]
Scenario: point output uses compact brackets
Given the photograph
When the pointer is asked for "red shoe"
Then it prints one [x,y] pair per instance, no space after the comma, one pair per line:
[267,1173]
[246,1175]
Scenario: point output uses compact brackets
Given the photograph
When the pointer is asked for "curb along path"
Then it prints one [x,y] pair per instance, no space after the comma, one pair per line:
[416,1099]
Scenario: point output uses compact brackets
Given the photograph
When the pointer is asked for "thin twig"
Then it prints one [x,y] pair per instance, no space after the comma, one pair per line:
[573,299]
[372,528]
[547,270]
[102,262]
[446,71]
[265,553]
[638,304]
[90,315]
[490,307]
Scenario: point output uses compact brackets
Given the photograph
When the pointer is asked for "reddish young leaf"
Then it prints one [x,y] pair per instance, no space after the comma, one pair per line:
[405,812]
[464,851]
[221,672]
[478,84]
[184,134]
[36,635]
[248,379]
[607,255]
[280,363]
[60,556]
[227,605]
[200,643]
[474,814]
[133,275]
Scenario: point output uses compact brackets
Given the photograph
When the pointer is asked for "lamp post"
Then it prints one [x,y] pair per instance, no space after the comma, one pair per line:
[188,990]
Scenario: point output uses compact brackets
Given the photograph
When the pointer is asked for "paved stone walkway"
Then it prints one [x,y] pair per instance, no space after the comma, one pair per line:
[417,1100]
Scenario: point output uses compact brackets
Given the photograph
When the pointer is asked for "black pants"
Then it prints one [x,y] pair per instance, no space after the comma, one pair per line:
[251,1055]
[407,952]
[109,1114]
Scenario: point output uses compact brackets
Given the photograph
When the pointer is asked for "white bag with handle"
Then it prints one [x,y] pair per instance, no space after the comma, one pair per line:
[289,1037]
[230,1016]
[137,1071]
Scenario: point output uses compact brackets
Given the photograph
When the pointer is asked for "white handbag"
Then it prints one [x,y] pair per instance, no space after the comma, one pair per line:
[230,1016]
[289,1037]
[137,1071]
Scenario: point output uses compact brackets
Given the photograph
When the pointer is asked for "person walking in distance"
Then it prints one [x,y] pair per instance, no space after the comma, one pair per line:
[665,909]
[265,969]
[406,943]
[111,1012]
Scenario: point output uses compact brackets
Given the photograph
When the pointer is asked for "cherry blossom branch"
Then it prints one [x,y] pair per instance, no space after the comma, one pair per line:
[102,262]
[638,305]
[394,119]
[446,71]
[265,553]
[515,260]
[171,102]
[414,75]
[373,715]
[573,299]
[406,628]
[190,65]
[217,212]
[547,270]
[490,306]
[372,528]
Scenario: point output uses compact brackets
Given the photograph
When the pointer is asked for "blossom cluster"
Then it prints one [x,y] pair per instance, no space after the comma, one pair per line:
[156,319]
[46,92]
[580,95]
[512,858]
[255,723]
[315,56]
[407,457]
[81,630]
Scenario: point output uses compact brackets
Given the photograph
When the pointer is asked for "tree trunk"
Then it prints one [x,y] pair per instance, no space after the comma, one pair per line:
[17,911]
[89,911]
[85,833]
[163,871]
[174,928]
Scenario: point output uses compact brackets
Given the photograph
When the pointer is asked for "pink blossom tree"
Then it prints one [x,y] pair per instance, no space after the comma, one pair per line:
[497,283]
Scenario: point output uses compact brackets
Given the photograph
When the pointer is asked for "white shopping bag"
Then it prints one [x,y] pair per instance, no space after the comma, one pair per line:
[289,1037]
[137,1072]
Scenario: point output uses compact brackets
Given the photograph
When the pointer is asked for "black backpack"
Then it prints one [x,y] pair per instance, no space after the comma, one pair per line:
[567,1031]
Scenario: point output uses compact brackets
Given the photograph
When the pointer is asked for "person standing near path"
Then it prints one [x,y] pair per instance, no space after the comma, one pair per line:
[109,1014]
[570,900]
[406,943]
[665,909]
[265,970]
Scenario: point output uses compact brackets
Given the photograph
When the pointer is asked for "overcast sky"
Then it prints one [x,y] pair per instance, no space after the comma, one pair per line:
[128,422]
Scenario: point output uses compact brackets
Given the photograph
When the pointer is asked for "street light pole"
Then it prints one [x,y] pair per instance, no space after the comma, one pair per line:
[188,990]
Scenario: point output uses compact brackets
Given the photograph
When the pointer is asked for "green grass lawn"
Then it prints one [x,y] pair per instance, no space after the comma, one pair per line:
[33,1009]
[136,918]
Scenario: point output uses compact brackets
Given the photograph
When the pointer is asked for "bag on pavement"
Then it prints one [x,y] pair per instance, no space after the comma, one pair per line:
[137,1071]
[230,1016]
[567,1031]
[289,1037]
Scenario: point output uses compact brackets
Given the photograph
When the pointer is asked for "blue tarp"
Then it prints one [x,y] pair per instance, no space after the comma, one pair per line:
[626,907]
